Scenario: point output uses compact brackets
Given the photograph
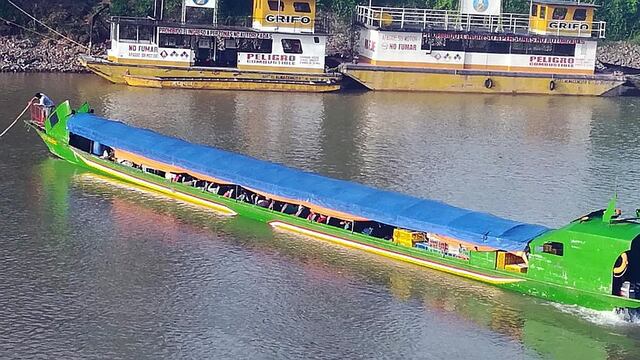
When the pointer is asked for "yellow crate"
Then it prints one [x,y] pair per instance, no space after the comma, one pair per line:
[500,260]
[406,237]
[401,235]
[518,268]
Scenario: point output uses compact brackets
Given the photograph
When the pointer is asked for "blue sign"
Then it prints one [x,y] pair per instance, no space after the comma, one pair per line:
[478,5]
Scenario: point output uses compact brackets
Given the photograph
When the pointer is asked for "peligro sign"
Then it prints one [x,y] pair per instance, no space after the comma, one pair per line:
[288,19]
[552,61]
[271,59]
[572,26]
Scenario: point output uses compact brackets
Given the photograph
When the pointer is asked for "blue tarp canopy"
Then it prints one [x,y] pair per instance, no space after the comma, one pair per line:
[386,207]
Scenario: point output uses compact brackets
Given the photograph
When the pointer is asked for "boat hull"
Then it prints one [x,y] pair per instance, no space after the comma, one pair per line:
[295,225]
[384,78]
[155,76]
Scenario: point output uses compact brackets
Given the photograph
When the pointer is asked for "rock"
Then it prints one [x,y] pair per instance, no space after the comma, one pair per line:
[28,55]
[620,53]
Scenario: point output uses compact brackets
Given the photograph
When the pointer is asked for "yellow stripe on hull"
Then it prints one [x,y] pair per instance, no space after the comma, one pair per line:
[226,85]
[164,190]
[420,80]
[393,255]
[211,78]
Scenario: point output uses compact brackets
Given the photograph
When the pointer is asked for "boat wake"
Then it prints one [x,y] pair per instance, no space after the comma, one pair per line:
[621,317]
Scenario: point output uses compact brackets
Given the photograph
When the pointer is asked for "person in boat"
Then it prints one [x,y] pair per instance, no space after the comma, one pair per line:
[45,104]
[265,203]
[228,194]
[345,224]
[213,188]
[242,196]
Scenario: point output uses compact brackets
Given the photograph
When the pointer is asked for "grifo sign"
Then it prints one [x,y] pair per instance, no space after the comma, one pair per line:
[211,4]
[569,26]
[288,19]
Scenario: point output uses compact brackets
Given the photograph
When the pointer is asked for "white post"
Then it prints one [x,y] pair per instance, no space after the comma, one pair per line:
[278,18]
[215,12]
[184,11]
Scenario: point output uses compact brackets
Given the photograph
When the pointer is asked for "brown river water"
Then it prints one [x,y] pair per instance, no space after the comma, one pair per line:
[92,268]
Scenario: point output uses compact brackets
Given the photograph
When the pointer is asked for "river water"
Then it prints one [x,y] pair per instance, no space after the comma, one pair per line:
[92,268]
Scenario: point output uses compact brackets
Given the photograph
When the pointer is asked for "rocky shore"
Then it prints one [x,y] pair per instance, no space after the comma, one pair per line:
[620,53]
[28,55]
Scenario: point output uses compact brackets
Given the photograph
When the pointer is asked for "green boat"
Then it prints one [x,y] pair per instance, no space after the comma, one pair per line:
[593,262]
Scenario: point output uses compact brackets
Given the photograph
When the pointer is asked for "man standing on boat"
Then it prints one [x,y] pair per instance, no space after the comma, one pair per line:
[42,106]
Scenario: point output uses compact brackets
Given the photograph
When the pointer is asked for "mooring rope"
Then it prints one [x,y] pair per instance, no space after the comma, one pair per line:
[16,120]
[46,26]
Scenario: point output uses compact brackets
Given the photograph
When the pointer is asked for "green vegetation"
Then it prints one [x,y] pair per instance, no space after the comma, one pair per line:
[72,16]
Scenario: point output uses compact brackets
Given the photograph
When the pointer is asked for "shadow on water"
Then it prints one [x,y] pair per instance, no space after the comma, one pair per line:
[547,330]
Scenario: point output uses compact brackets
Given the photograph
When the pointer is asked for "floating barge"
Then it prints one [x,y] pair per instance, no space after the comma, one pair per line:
[478,49]
[281,48]
[592,262]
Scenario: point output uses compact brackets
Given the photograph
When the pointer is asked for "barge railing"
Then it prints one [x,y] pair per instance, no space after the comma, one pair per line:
[390,18]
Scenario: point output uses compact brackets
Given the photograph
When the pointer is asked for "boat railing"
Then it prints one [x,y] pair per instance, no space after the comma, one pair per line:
[391,18]
[422,19]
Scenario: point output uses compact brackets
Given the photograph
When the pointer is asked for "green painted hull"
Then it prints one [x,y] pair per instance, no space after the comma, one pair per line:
[522,283]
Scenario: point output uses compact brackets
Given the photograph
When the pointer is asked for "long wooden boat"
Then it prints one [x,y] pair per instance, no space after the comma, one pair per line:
[592,262]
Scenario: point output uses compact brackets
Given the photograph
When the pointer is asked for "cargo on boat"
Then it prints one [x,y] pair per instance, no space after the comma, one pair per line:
[280,48]
[479,49]
[592,262]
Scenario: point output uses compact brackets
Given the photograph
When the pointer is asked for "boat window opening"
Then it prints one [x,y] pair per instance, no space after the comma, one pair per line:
[80,143]
[273,5]
[540,49]
[175,41]
[477,45]
[564,49]
[316,40]
[559,13]
[128,33]
[146,34]
[499,47]
[292,46]
[554,248]
[534,10]
[543,12]
[442,44]
[53,119]
[255,45]
[302,7]
[580,14]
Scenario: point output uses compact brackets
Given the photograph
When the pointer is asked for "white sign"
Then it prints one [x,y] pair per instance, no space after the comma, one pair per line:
[211,4]
[481,7]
